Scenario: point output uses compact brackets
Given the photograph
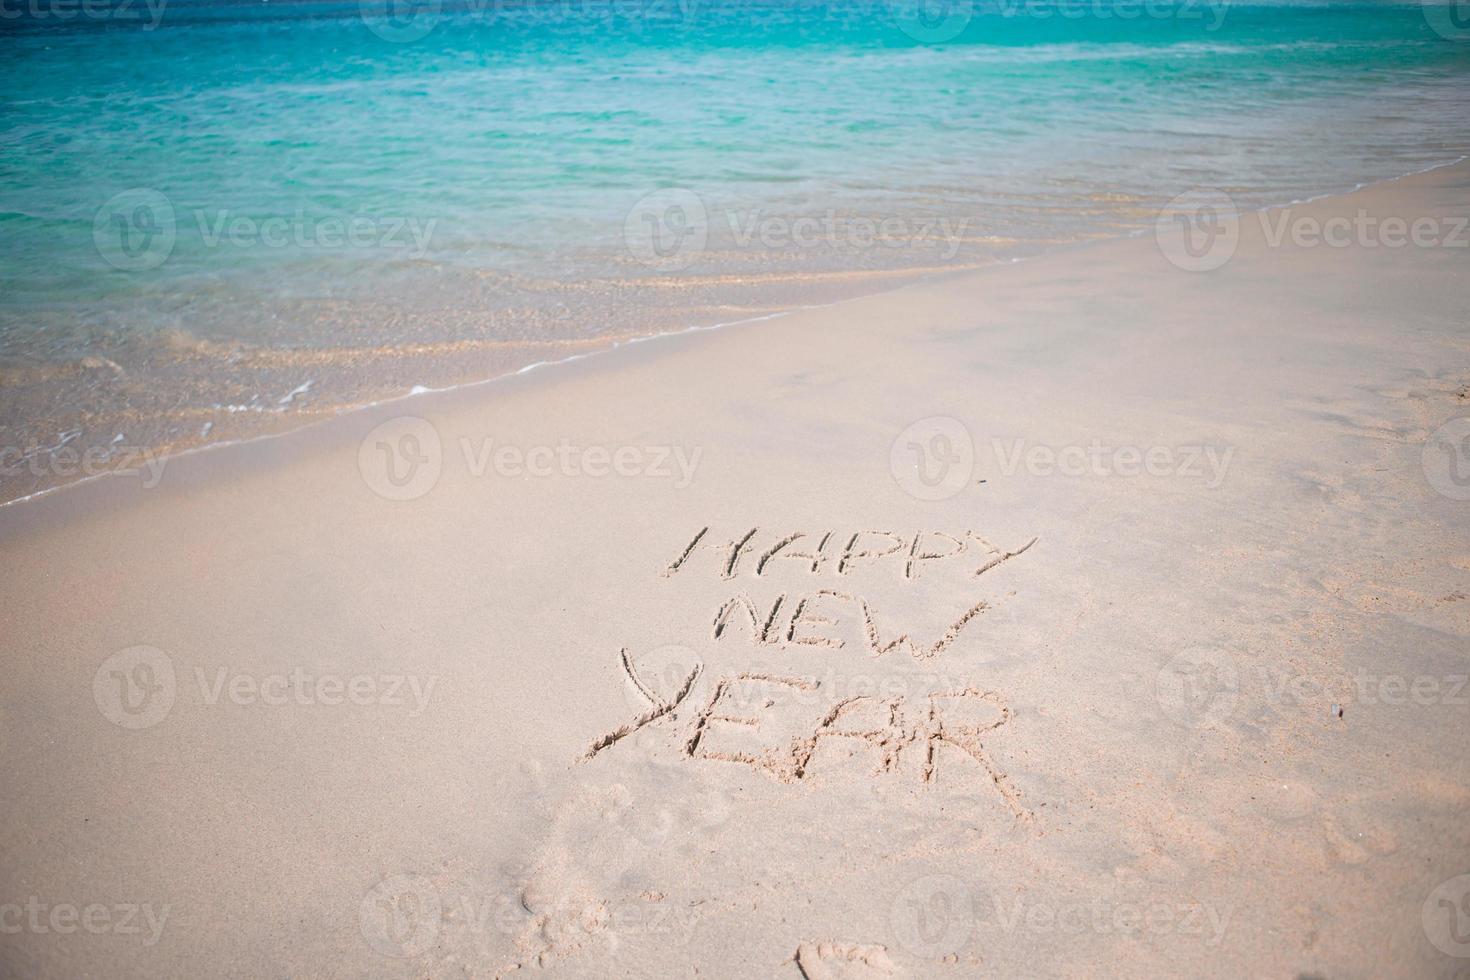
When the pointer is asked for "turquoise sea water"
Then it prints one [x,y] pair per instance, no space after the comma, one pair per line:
[207,206]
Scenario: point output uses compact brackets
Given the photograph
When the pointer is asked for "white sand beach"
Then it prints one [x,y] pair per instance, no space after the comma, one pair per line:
[1081,614]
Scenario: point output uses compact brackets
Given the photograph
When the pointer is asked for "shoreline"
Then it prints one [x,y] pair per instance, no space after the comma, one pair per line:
[918,280]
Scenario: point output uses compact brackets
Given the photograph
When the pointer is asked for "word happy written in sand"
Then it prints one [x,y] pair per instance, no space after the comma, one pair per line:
[776,723]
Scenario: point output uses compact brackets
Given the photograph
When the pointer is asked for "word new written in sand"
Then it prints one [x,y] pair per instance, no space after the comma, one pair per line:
[800,620]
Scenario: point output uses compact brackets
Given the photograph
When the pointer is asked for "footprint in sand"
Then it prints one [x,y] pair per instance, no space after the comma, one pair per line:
[1355,839]
[843,961]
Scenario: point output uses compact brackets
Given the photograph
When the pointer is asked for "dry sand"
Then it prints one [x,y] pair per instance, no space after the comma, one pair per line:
[1212,721]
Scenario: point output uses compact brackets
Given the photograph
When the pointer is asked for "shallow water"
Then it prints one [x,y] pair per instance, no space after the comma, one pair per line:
[222,219]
